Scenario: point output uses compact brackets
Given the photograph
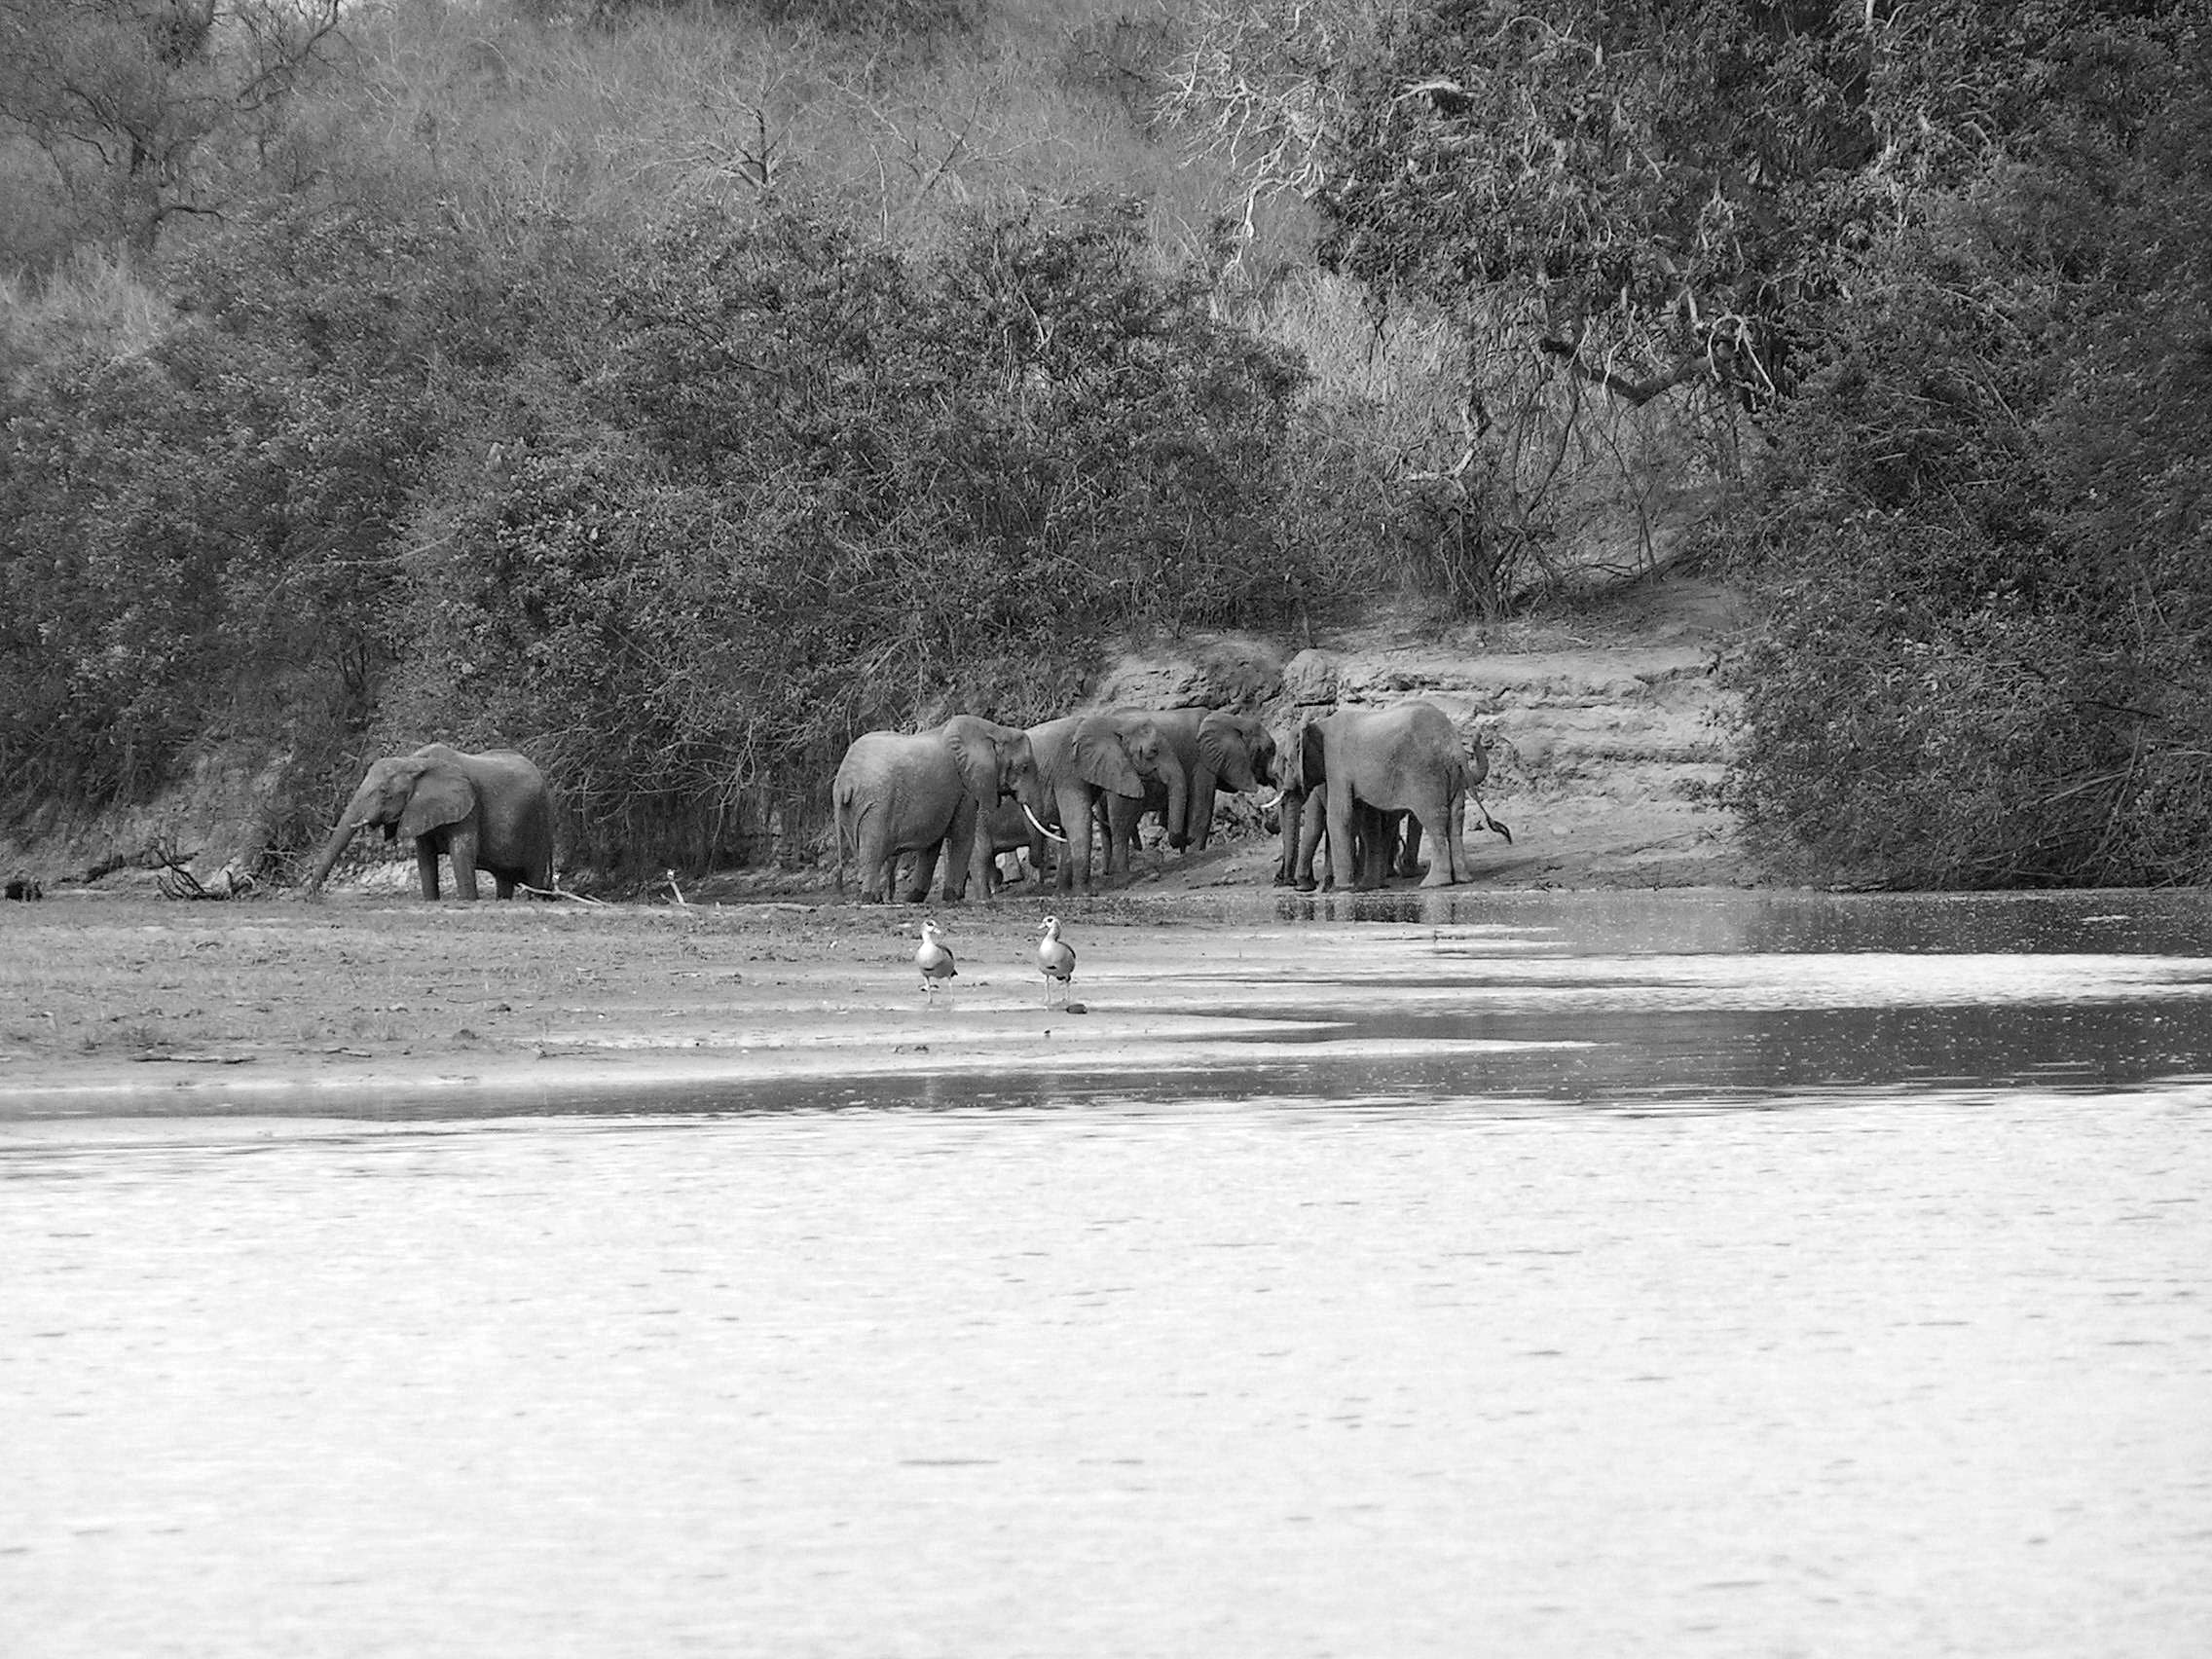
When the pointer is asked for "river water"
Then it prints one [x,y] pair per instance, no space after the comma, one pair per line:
[1675,1275]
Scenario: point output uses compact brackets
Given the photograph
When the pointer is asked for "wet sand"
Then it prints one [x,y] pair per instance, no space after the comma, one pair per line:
[357,998]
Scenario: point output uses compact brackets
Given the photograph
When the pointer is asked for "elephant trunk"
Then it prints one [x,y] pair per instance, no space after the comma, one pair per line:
[349,822]
[1178,803]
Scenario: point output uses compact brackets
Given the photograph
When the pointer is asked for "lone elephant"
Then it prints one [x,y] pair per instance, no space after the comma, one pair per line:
[1084,758]
[491,812]
[1219,750]
[1363,763]
[924,792]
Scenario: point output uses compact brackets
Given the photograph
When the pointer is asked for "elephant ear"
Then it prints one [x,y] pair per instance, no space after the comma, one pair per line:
[1101,761]
[442,796]
[975,752]
[1227,750]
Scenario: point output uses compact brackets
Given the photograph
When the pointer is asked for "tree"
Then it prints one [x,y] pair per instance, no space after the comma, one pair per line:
[1651,184]
[128,99]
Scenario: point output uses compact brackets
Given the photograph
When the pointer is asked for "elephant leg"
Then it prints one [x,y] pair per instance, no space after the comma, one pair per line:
[917,889]
[1301,820]
[1199,822]
[1455,844]
[977,858]
[1343,835]
[464,851]
[1374,833]
[1314,824]
[1121,815]
[1408,852]
[502,885]
[1437,815]
[876,859]
[426,866]
[1075,856]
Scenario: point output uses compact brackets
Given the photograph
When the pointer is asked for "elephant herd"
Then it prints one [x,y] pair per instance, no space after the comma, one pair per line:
[1372,783]
[969,790]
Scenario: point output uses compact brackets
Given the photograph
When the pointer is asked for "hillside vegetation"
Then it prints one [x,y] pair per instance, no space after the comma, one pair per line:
[677,392]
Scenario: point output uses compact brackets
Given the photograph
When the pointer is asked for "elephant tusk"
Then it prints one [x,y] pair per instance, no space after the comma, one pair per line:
[1271,805]
[1049,834]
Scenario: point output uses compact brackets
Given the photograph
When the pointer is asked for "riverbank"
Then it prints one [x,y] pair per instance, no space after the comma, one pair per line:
[1605,725]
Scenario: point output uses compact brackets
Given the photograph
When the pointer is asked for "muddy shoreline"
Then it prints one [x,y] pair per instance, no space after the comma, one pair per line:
[373,1003]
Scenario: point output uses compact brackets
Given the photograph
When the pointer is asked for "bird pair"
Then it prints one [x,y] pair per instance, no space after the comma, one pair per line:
[1055,958]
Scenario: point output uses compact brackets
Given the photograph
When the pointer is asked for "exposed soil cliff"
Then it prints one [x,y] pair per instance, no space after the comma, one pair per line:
[1600,724]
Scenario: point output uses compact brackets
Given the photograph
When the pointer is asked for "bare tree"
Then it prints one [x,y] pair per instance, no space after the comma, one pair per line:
[130,100]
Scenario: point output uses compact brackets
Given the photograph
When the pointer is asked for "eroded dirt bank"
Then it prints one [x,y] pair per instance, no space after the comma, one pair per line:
[1601,723]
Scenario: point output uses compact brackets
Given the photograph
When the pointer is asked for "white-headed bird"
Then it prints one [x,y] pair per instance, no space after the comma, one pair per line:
[1055,958]
[933,959]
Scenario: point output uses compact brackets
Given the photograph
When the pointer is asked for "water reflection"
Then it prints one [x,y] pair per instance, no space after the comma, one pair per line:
[2162,922]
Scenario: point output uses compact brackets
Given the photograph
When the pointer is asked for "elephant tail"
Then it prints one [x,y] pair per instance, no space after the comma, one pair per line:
[841,807]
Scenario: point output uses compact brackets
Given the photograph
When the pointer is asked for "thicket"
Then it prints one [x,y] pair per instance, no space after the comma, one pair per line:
[1982,550]
[676,391]
[684,515]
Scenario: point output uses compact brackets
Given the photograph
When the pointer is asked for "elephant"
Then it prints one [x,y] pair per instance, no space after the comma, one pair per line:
[1219,750]
[1011,832]
[1406,760]
[923,793]
[1081,758]
[490,811]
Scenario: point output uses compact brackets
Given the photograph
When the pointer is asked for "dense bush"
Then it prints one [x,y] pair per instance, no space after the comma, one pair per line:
[213,518]
[681,516]
[831,487]
[1982,552]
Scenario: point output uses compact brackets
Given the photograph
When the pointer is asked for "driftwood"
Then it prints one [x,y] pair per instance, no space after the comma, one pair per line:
[176,880]
[557,893]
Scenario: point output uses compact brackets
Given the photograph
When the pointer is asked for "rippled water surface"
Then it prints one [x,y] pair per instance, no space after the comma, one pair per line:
[1665,1276]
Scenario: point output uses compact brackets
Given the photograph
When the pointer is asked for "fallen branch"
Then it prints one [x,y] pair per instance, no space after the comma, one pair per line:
[557,893]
